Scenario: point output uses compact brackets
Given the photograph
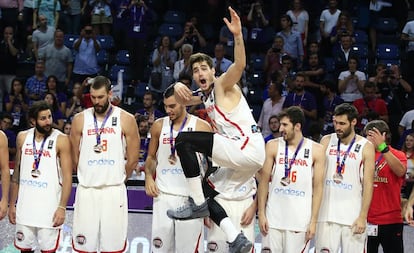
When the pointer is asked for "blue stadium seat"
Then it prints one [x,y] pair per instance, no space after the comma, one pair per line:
[388,52]
[363,65]
[255,96]
[174,17]
[69,39]
[106,41]
[113,73]
[387,25]
[257,61]
[122,57]
[256,110]
[329,64]
[172,30]
[256,78]
[361,37]
[141,89]
[361,50]
[389,62]
[102,57]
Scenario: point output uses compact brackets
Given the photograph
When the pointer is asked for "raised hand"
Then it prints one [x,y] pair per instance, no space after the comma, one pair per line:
[235,24]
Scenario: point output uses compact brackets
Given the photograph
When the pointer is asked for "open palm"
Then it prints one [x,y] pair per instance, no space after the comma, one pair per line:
[234,25]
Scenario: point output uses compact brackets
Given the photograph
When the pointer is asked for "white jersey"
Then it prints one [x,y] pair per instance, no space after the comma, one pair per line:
[341,202]
[39,197]
[107,167]
[170,177]
[233,185]
[290,207]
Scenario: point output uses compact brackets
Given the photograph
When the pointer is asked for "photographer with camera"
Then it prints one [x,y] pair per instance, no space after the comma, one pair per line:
[273,58]
[191,36]
[351,81]
[86,47]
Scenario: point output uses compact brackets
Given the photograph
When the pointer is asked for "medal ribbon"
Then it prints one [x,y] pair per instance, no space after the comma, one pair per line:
[377,162]
[288,167]
[38,154]
[338,155]
[172,146]
[98,132]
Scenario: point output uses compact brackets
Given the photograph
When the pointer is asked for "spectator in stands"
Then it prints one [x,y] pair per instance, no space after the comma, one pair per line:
[58,118]
[8,62]
[288,74]
[330,101]
[143,128]
[300,20]
[101,19]
[305,100]
[71,15]
[182,65]
[163,59]
[273,58]
[256,17]
[342,54]
[67,127]
[351,81]
[36,84]
[10,13]
[191,36]
[406,122]
[77,102]
[138,28]
[407,36]
[226,37]
[26,19]
[149,111]
[343,26]
[370,107]
[408,149]
[42,36]
[86,62]
[272,105]
[6,126]
[58,60]
[120,23]
[274,125]
[49,9]
[220,63]
[328,19]
[292,41]
[62,99]
[17,105]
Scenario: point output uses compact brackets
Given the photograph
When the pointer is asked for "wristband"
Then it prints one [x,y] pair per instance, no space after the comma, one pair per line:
[62,207]
[385,150]
[382,146]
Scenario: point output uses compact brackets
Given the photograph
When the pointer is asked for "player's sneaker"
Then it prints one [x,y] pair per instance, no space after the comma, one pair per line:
[189,211]
[240,245]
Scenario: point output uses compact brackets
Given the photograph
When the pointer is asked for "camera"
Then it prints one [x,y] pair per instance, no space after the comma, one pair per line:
[388,72]
[276,50]
[191,30]
[88,31]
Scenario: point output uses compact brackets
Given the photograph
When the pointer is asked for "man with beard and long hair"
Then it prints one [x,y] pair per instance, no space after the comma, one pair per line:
[304,99]
[350,163]
[41,182]
[170,186]
[295,168]
[105,141]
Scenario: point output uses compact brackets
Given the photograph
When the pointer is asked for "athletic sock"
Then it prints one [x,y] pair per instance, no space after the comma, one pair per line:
[196,190]
[228,228]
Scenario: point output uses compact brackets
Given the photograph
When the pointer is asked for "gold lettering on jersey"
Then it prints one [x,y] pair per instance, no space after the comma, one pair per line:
[380,180]
[29,151]
[105,130]
[351,155]
[296,162]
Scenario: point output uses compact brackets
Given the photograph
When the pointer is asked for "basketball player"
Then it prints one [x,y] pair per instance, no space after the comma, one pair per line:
[237,145]
[295,166]
[105,141]
[5,170]
[170,186]
[41,183]
[350,162]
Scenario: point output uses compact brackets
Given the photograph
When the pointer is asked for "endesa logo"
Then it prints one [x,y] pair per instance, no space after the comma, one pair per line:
[101,162]
[173,171]
[344,186]
[33,183]
[289,191]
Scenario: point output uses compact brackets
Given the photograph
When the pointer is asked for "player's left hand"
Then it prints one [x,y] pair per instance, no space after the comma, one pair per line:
[248,215]
[376,137]
[310,233]
[235,24]
[59,217]
[359,225]
[3,208]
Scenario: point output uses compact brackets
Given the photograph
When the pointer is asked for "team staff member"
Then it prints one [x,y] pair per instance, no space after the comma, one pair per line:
[170,186]
[105,141]
[350,162]
[296,165]
[41,183]
[5,170]
[385,223]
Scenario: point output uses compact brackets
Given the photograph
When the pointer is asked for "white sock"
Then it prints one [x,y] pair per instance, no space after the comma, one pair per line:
[196,190]
[229,229]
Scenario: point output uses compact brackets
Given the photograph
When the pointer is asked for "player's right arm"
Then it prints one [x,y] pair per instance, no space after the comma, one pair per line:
[15,181]
[408,212]
[75,137]
[184,95]
[5,171]
[263,189]
[151,188]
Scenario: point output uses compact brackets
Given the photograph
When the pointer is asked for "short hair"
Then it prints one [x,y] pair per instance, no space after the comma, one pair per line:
[188,46]
[99,82]
[7,115]
[286,57]
[37,107]
[295,115]
[369,84]
[279,37]
[354,57]
[273,117]
[169,91]
[287,17]
[200,57]
[330,85]
[300,75]
[346,109]
[381,126]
